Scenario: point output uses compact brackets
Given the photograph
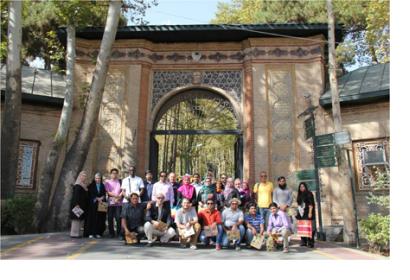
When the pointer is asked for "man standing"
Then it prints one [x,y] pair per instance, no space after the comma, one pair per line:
[148,186]
[187,224]
[113,189]
[132,184]
[232,219]
[158,221]
[132,217]
[282,195]
[263,194]
[165,188]
[172,177]
[197,183]
[210,219]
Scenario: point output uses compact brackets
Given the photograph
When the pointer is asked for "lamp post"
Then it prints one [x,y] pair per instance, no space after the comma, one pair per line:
[310,112]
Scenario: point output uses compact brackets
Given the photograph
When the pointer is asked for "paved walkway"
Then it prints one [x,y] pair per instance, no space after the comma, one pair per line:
[61,246]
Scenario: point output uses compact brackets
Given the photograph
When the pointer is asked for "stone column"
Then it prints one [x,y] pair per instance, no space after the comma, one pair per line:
[249,152]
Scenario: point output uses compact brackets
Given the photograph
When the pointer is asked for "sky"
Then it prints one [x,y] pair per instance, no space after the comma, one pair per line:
[170,12]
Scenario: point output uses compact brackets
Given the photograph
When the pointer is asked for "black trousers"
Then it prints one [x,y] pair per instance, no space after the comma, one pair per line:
[308,241]
[114,213]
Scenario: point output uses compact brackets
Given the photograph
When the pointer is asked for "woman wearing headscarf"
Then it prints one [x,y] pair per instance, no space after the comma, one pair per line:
[95,224]
[245,194]
[306,211]
[207,192]
[231,191]
[186,191]
[79,205]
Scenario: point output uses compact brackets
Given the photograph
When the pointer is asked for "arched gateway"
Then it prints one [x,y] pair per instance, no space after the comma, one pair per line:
[196,130]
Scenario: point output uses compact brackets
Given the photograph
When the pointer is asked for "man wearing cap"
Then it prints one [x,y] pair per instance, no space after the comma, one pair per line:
[232,219]
[158,221]
[133,216]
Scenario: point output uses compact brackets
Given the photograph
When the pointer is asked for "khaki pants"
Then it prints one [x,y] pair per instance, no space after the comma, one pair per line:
[285,233]
[193,239]
[165,236]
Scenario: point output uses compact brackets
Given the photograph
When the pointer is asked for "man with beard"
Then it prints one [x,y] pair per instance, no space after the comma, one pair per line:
[282,195]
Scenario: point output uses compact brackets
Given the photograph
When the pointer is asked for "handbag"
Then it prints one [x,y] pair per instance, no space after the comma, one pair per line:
[257,242]
[233,235]
[304,228]
[161,226]
[102,207]
[210,232]
[188,232]
[130,238]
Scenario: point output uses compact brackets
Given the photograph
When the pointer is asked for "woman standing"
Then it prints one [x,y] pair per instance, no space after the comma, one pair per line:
[231,190]
[79,205]
[95,225]
[186,191]
[207,192]
[219,195]
[245,194]
[306,211]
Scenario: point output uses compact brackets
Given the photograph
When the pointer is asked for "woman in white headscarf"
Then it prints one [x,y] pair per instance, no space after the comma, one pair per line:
[79,205]
[95,222]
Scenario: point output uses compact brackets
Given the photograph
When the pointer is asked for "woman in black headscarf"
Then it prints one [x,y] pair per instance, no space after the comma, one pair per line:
[306,211]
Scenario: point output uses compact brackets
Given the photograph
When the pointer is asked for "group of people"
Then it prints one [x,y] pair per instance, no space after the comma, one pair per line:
[221,212]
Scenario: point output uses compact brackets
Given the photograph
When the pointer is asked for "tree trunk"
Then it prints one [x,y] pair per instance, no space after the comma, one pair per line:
[343,192]
[47,176]
[77,154]
[10,133]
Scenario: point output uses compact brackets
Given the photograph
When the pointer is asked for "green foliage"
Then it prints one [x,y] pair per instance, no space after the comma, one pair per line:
[376,227]
[17,215]
[366,23]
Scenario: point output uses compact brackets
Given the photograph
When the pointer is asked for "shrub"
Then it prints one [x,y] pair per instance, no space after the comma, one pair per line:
[17,214]
[376,228]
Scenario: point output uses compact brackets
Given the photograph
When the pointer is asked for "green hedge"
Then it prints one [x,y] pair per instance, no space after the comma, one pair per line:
[17,214]
[376,228]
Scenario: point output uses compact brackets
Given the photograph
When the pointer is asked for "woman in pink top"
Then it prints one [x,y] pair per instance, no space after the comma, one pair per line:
[186,191]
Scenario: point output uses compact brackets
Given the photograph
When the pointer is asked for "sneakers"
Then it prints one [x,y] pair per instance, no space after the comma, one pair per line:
[218,247]
[193,247]
[285,250]
[98,236]
[90,236]
[211,242]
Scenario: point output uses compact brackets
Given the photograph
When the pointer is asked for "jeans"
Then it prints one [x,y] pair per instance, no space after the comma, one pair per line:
[265,212]
[218,238]
[225,241]
[114,213]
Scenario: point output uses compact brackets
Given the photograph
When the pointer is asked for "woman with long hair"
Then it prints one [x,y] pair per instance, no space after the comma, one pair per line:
[306,211]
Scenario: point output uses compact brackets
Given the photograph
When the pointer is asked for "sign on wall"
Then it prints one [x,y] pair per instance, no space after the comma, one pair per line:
[27,164]
[326,152]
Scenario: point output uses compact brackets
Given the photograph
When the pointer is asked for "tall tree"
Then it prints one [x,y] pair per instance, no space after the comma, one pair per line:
[73,14]
[366,23]
[10,133]
[77,154]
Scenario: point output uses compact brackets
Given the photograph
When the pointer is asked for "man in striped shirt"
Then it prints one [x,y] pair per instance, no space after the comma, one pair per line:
[254,224]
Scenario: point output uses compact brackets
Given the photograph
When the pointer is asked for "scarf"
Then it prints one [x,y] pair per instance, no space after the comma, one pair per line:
[187,190]
[81,183]
[228,190]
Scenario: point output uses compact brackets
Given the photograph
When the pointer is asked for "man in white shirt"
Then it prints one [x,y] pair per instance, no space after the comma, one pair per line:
[165,188]
[132,184]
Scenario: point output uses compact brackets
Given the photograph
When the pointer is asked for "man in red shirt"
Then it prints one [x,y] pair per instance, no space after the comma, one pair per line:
[211,222]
